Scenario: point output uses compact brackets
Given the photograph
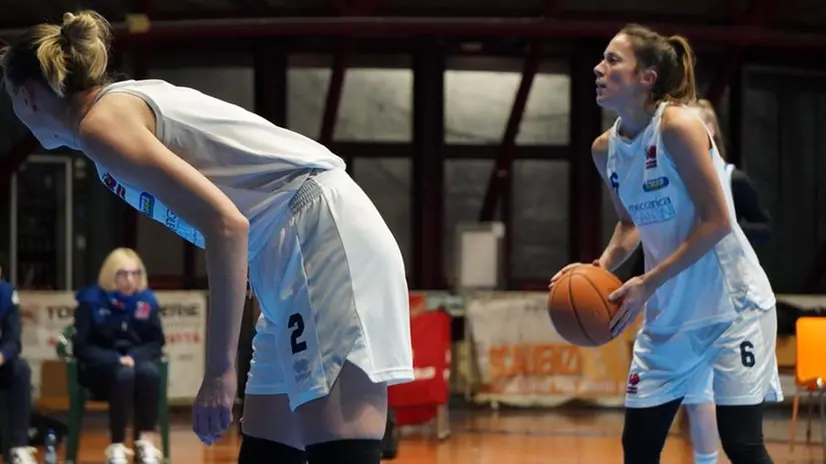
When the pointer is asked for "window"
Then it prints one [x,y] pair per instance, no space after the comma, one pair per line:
[478,104]
[540,218]
[376,103]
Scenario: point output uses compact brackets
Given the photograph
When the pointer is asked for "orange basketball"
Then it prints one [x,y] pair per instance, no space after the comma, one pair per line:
[579,306]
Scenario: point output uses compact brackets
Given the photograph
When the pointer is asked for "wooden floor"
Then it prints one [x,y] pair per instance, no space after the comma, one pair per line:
[485,437]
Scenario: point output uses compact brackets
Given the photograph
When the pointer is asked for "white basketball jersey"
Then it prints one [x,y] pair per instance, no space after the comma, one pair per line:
[729,172]
[726,280]
[257,164]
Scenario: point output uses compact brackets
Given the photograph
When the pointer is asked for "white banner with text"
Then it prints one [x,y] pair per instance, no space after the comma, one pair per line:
[523,361]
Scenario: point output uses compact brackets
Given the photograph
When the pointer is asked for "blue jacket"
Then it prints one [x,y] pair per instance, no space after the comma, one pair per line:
[109,325]
[9,322]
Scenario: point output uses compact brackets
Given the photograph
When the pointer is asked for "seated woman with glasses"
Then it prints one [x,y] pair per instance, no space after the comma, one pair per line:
[117,343]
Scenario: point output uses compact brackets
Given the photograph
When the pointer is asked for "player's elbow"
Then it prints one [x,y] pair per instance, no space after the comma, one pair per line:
[235,225]
[229,226]
[719,226]
[626,224]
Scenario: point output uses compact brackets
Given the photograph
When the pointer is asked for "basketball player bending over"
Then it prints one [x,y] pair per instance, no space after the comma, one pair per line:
[334,329]
[708,305]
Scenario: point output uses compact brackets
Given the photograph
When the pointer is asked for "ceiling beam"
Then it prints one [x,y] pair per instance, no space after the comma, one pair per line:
[400,27]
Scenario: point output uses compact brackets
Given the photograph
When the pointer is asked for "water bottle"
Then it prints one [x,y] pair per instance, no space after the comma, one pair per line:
[51,448]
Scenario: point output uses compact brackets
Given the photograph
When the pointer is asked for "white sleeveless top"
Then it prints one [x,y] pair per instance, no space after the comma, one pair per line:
[726,280]
[729,172]
[257,164]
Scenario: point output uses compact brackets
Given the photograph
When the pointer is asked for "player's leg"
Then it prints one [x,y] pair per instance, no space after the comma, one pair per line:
[269,430]
[345,426]
[645,431]
[649,408]
[360,329]
[741,433]
[745,375]
[702,423]
[349,421]
[702,417]
[663,368]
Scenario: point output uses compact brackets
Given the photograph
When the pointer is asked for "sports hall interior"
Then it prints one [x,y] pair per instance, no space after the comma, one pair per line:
[469,123]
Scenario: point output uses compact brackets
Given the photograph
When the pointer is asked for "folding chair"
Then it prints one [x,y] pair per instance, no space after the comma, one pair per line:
[810,373]
[79,395]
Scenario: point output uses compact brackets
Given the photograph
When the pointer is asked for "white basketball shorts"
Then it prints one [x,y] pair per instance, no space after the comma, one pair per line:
[332,288]
[730,363]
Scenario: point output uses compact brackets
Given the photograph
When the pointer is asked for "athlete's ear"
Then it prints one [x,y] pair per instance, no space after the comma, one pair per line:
[648,77]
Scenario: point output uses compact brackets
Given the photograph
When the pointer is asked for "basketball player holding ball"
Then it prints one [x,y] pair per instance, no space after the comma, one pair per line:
[708,307]
[755,223]
[265,203]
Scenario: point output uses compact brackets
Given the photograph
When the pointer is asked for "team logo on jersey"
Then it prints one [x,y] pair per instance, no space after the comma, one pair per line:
[651,157]
[302,368]
[112,184]
[614,178]
[171,220]
[652,211]
[146,203]
[633,381]
[655,184]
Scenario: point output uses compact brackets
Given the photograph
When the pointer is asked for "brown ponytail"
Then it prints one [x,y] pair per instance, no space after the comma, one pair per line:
[671,57]
[686,90]
[69,58]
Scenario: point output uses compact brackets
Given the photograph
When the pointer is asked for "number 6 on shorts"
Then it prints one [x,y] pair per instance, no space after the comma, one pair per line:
[747,354]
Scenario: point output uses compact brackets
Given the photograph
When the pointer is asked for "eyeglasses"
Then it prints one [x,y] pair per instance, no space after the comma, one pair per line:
[123,273]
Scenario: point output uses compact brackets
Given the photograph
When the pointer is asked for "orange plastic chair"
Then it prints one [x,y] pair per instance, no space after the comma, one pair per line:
[810,372]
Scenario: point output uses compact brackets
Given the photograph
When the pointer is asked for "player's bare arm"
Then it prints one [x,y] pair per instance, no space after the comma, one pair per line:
[686,140]
[626,237]
[118,133]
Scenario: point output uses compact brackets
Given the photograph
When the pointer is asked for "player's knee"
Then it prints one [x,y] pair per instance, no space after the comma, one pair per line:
[700,409]
[637,445]
[702,421]
[355,451]
[745,451]
[741,434]
[259,451]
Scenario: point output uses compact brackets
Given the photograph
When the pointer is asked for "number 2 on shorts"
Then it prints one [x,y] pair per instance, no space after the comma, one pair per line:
[296,325]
